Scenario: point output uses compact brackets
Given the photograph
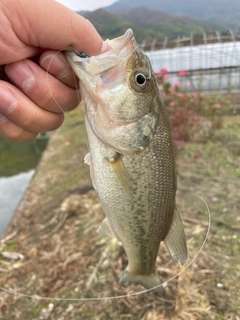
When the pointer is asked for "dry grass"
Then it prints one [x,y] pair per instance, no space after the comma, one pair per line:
[64,257]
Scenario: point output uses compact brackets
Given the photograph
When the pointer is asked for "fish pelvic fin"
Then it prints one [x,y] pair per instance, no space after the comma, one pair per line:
[148,282]
[175,240]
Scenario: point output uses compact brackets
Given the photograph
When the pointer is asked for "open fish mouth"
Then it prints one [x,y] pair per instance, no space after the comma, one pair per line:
[122,49]
[107,70]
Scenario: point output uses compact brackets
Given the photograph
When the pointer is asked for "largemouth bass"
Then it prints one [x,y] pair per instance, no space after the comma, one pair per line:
[131,156]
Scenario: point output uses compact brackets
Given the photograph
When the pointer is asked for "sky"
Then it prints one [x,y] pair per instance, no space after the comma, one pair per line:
[90,5]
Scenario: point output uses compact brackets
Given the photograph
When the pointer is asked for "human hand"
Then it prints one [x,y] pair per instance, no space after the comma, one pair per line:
[36,82]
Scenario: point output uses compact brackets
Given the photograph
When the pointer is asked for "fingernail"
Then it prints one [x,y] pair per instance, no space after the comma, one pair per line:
[55,65]
[21,73]
[8,103]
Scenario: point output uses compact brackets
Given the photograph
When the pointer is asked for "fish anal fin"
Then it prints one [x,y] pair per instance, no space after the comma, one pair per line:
[121,174]
[175,241]
[105,229]
[148,282]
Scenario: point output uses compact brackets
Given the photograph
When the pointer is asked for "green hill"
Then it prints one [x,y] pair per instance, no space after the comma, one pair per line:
[112,26]
[217,11]
[147,24]
[170,26]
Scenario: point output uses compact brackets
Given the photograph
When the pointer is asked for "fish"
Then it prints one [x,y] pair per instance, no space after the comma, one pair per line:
[131,156]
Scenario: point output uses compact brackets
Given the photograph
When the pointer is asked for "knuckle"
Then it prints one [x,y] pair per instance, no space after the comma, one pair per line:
[39,123]
[58,121]
[43,121]
[31,122]
[26,136]
[16,135]
[72,102]
[48,100]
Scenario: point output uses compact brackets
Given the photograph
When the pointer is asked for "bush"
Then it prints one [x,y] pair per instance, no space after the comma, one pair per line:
[192,115]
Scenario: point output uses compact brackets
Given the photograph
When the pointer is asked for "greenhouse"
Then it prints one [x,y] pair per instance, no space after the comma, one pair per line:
[213,66]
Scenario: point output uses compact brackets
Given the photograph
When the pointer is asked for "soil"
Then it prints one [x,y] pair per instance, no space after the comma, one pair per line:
[55,251]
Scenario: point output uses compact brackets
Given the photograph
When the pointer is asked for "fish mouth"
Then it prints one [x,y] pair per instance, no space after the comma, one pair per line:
[122,49]
[89,68]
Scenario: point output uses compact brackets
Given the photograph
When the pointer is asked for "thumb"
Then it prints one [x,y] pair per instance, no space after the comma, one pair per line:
[49,24]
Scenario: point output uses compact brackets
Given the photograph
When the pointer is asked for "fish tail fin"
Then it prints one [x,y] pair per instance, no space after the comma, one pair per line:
[148,282]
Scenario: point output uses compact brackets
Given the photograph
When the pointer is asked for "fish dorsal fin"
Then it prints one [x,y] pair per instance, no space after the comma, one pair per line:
[175,240]
[105,229]
[121,174]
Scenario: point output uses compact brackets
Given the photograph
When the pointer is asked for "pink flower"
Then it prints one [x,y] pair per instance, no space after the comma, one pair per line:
[188,84]
[158,74]
[164,70]
[218,106]
[172,104]
[176,84]
[179,95]
[166,78]
[182,73]
[195,95]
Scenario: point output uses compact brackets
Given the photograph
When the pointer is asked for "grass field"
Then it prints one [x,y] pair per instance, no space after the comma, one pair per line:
[55,231]
[18,157]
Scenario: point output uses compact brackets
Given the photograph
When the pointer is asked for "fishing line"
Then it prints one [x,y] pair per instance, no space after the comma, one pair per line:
[164,284]
[78,93]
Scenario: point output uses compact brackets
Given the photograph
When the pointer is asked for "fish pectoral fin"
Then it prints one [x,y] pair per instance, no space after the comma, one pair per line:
[148,282]
[88,160]
[175,240]
[121,174]
[105,229]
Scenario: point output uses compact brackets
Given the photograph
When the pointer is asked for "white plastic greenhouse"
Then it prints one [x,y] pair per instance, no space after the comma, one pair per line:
[213,66]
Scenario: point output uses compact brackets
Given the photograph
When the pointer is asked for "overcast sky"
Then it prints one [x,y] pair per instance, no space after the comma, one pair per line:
[90,5]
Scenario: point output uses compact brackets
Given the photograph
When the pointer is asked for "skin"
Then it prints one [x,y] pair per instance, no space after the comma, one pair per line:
[36,83]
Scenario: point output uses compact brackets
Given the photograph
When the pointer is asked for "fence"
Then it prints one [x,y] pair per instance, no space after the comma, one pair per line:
[212,62]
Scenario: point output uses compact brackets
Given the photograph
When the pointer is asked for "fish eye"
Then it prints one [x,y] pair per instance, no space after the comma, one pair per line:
[140,79]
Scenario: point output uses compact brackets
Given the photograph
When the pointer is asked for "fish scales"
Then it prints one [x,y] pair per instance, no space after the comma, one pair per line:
[131,156]
[135,222]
